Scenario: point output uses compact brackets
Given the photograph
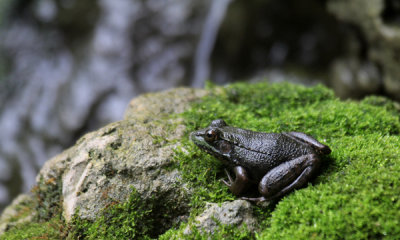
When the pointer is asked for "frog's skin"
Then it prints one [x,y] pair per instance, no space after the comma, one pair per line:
[277,162]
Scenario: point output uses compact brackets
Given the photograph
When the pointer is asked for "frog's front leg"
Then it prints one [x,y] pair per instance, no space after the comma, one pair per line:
[241,182]
[287,177]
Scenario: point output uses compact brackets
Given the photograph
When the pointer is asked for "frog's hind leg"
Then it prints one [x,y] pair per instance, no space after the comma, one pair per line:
[319,147]
[288,176]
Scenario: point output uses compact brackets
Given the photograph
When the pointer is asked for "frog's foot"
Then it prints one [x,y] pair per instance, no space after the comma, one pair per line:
[241,182]
[256,200]
[228,184]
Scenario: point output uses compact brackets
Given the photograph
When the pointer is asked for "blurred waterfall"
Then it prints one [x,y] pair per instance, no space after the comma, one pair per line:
[207,41]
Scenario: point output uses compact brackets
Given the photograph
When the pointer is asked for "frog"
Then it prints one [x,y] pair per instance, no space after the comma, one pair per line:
[277,162]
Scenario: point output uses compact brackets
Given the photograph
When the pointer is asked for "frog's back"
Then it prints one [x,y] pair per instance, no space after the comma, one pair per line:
[267,143]
[259,152]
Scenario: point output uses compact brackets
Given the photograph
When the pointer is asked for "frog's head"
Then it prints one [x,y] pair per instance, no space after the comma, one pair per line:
[211,140]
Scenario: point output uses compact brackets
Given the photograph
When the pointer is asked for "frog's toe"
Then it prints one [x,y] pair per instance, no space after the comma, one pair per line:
[229,176]
[226,183]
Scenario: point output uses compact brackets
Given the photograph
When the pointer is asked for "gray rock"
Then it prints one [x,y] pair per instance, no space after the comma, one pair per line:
[382,39]
[136,152]
[147,107]
[235,213]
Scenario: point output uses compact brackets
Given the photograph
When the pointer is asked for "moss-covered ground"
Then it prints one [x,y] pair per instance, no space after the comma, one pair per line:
[355,195]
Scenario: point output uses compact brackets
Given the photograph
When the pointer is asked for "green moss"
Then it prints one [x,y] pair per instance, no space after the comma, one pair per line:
[357,193]
[48,202]
[22,210]
[53,229]
[358,200]
[137,218]
[45,209]
[129,220]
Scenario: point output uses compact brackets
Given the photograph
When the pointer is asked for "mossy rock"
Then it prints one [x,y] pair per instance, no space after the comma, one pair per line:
[354,196]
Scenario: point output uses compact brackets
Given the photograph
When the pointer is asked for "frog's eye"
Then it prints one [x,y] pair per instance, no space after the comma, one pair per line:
[211,135]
